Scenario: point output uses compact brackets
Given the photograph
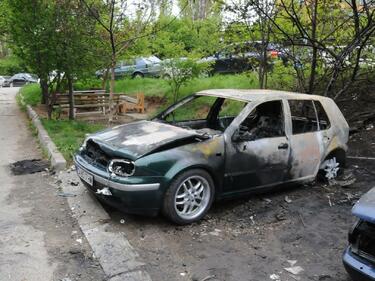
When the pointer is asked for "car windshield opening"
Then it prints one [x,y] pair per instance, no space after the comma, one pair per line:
[208,114]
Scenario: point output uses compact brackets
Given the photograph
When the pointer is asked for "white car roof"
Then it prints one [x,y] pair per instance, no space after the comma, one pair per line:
[257,95]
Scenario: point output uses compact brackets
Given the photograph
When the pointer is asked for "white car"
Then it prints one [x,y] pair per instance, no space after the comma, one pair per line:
[2,80]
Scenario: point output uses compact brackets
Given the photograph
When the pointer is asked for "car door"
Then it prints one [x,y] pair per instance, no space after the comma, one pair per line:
[304,140]
[18,80]
[257,153]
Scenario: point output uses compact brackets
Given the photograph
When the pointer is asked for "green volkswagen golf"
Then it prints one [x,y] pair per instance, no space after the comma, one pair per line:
[212,145]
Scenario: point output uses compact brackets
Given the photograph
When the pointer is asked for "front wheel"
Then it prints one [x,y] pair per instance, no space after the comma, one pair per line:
[189,197]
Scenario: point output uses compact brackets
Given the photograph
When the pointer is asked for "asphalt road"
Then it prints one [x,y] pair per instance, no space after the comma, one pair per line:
[39,240]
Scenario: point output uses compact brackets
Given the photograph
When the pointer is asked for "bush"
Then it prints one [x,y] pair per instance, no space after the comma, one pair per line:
[88,84]
[31,94]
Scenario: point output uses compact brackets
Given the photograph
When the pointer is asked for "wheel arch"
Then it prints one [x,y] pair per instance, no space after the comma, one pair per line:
[339,153]
[173,174]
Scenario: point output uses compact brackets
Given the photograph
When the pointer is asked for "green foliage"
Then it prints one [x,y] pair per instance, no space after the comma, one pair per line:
[148,86]
[31,94]
[10,66]
[181,71]
[88,84]
[69,135]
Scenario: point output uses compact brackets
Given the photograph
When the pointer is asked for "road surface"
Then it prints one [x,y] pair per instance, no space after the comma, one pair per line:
[39,240]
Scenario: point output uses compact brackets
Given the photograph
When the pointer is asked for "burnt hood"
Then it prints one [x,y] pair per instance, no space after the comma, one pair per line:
[137,139]
[365,207]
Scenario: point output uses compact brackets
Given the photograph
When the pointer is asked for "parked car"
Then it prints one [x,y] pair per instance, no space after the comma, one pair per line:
[227,62]
[212,145]
[359,256]
[20,79]
[3,80]
[137,68]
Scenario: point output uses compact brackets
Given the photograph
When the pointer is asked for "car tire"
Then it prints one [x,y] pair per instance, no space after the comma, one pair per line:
[331,168]
[137,75]
[189,197]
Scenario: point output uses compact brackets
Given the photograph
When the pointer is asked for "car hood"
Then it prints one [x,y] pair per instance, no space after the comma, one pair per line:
[365,207]
[138,139]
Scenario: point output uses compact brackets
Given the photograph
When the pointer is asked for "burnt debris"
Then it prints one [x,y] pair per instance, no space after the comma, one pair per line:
[31,166]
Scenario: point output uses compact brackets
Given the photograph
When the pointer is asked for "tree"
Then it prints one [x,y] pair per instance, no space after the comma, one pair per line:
[331,34]
[181,71]
[118,28]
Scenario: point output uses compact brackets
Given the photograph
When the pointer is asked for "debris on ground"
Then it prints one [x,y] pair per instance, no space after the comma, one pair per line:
[275,277]
[66,194]
[295,270]
[287,200]
[74,183]
[267,200]
[32,166]
[208,278]
[216,232]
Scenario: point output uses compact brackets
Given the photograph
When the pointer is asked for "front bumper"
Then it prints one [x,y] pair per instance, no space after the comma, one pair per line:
[137,195]
[358,268]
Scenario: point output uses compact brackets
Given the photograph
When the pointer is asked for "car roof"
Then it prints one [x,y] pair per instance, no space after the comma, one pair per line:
[257,95]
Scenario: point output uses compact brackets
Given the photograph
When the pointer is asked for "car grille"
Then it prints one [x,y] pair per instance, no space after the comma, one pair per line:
[95,155]
[366,240]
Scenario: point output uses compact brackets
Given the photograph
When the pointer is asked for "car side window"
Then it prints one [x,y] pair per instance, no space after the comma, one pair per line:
[195,109]
[323,119]
[304,118]
[231,108]
[265,121]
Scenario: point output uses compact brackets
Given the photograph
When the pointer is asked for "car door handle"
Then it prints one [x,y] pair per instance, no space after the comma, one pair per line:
[283,146]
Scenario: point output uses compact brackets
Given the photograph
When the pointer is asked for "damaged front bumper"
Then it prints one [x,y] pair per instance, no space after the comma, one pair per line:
[358,268]
[138,195]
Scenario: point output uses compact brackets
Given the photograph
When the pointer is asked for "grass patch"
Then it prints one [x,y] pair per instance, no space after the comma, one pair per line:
[69,135]
[31,94]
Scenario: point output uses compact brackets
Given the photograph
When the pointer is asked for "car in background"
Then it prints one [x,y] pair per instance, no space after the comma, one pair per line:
[212,145]
[136,68]
[359,256]
[226,62]
[20,79]
[3,80]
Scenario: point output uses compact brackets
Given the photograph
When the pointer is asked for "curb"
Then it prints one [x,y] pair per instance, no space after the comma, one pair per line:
[58,161]
[118,259]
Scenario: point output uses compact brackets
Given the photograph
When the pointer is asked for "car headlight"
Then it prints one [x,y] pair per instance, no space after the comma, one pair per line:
[83,146]
[121,167]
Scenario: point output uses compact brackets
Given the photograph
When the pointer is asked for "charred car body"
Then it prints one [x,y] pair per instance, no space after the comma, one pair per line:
[211,145]
[359,257]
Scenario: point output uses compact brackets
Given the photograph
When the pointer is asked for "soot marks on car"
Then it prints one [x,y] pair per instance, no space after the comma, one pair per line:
[212,145]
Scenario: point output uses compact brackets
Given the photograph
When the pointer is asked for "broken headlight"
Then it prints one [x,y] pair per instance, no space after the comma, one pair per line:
[121,167]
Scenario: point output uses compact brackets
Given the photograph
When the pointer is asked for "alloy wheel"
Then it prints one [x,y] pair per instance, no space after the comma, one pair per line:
[192,197]
[331,167]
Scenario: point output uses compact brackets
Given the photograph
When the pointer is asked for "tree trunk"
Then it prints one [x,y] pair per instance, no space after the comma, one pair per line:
[112,87]
[71,97]
[314,47]
[44,88]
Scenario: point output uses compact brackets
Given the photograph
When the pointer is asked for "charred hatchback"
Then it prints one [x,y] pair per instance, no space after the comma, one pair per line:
[212,145]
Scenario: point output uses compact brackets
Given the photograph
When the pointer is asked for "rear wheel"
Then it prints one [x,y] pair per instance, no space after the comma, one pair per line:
[332,166]
[189,197]
[138,75]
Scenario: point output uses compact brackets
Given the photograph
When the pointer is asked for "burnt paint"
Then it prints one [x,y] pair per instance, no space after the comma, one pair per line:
[365,207]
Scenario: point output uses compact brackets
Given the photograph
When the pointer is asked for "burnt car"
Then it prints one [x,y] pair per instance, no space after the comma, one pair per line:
[359,256]
[212,145]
